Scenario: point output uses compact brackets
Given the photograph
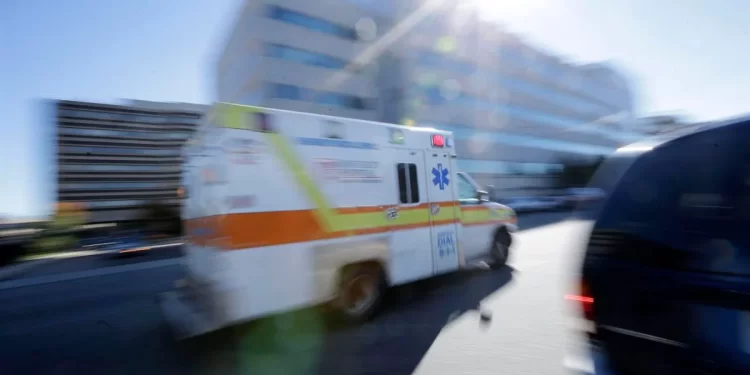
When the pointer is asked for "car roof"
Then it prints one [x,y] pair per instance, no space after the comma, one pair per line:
[609,175]
[666,138]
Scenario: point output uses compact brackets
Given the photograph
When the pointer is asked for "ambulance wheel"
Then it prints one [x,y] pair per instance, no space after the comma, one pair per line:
[500,248]
[361,292]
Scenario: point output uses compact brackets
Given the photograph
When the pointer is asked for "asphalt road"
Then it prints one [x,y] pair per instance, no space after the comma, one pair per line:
[90,262]
[109,321]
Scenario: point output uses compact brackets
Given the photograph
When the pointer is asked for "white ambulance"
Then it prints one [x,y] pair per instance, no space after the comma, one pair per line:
[287,210]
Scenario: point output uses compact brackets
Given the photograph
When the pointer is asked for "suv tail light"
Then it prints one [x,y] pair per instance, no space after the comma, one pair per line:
[584,298]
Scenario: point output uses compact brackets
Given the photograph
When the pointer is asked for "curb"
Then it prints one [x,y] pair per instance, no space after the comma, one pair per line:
[14,270]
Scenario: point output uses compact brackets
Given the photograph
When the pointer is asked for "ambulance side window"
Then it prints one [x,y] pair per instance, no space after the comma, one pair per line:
[402,181]
[408,183]
[467,194]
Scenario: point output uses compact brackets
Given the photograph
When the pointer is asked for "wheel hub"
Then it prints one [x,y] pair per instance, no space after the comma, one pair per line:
[360,293]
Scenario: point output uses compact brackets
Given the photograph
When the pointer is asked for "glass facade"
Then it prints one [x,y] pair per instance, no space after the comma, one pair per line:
[507,168]
[253,97]
[304,57]
[433,96]
[291,92]
[233,79]
[310,23]
[383,8]
[521,57]
[512,83]
[464,132]
[536,95]
[530,93]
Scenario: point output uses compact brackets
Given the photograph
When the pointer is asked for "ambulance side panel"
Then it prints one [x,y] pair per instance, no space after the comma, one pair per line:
[265,270]
[313,194]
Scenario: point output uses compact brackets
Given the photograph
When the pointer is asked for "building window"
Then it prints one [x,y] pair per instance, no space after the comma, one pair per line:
[304,57]
[467,133]
[433,95]
[115,185]
[290,92]
[287,92]
[251,98]
[310,22]
[94,151]
[496,167]
[408,183]
[429,58]
[339,100]
[106,168]
[513,83]
[93,132]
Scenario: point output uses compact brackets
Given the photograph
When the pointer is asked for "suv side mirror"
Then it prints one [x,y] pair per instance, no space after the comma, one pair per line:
[483,196]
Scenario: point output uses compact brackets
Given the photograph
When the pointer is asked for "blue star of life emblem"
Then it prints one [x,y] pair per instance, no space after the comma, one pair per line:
[440,178]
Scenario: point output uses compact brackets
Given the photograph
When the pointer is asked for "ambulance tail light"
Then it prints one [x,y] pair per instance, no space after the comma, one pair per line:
[438,140]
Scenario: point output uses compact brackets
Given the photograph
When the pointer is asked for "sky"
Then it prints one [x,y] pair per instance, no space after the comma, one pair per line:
[683,56]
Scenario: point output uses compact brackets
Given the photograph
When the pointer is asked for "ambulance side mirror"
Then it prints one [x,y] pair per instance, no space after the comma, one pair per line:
[490,189]
[483,196]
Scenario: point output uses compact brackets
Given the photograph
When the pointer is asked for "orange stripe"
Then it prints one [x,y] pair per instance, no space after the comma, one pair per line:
[271,228]
[257,229]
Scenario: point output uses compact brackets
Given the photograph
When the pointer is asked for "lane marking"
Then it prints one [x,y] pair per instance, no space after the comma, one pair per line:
[580,364]
[86,253]
[71,276]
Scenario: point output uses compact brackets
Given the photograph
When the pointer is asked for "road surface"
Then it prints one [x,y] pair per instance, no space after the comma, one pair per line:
[89,262]
[95,318]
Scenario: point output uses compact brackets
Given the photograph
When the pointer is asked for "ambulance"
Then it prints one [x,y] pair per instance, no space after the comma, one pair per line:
[286,210]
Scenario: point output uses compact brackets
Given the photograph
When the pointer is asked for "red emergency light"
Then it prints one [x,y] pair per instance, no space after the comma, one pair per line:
[438,140]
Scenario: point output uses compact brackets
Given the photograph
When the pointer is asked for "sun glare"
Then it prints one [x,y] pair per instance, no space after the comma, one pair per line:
[502,9]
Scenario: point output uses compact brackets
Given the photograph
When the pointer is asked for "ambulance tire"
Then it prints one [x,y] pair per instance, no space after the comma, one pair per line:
[351,283]
[500,248]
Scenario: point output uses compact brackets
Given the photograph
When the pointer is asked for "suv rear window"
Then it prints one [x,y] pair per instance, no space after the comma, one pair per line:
[605,179]
[690,198]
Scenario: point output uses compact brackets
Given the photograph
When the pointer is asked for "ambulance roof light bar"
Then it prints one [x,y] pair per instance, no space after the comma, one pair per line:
[438,140]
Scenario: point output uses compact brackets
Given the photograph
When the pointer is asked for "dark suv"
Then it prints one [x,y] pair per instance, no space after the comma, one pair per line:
[665,282]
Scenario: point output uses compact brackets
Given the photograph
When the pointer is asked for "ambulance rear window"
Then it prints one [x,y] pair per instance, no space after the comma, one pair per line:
[408,183]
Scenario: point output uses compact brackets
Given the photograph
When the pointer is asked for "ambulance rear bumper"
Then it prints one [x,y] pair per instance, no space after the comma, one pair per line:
[184,320]
[190,313]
